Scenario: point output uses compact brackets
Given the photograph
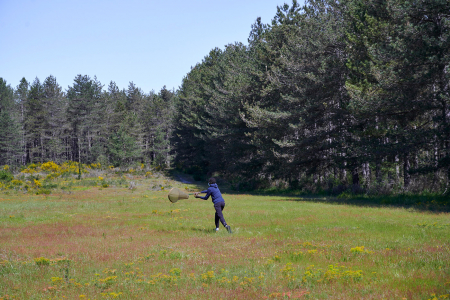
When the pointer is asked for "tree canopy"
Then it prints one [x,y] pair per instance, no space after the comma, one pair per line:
[329,95]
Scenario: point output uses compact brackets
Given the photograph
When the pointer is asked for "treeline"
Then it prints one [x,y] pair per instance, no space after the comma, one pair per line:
[346,95]
[333,95]
[87,123]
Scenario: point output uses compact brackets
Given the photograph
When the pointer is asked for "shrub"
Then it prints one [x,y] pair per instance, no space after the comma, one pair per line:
[43,191]
[6,176]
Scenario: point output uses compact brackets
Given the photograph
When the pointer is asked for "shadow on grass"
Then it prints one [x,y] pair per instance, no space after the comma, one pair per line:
[185,179]
[433,204]
[203,230]
[426,203]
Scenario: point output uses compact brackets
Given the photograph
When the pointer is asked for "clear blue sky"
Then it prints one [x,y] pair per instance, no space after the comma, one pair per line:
[152,43]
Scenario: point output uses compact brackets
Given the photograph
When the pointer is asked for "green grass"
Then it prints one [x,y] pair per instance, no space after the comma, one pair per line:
[88,242]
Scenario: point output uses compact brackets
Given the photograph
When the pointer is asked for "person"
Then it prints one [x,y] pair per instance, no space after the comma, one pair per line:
[218,201]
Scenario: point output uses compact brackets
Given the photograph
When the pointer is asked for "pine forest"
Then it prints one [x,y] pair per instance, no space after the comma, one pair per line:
[346,96]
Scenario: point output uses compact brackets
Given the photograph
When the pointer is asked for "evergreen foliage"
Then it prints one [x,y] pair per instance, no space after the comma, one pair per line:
[333,95]
[348,92]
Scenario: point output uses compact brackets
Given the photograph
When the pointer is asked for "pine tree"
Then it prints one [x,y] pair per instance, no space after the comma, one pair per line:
[22,91]
[157,119]
[83,97]
[9,127]
[399,53]
[122,148]
[54,106]
[35,123]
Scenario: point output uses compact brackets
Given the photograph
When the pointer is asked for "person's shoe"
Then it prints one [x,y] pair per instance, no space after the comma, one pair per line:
[217,229]
[228,228]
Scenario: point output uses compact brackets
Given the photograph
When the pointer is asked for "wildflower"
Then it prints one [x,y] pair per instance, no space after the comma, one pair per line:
[57,279]
[42,261]
[115,295]
[359,250]
[175,272]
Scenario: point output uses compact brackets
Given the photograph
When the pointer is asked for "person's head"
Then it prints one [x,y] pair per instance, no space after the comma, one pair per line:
[212,180]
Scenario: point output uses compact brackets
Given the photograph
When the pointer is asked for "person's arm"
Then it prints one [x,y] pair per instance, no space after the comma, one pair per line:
[208,193]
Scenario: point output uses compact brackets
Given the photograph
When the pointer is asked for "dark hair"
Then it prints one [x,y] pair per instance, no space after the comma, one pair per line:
[212,180]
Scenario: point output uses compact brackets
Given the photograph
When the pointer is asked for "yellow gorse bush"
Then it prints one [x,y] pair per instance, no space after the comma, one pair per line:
[50,167]
[56,170]
[95,166]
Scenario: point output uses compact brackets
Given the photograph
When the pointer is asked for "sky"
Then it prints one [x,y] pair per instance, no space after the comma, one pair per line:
[151,43]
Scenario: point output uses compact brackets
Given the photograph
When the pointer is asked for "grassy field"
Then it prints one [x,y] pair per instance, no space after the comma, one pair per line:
[85,241]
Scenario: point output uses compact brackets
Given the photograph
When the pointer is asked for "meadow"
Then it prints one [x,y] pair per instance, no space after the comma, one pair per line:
[116,236]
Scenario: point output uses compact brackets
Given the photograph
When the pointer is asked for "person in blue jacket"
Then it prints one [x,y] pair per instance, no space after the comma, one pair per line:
[218,201]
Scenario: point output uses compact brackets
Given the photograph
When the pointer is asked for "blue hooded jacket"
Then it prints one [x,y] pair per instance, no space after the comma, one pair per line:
[214,192]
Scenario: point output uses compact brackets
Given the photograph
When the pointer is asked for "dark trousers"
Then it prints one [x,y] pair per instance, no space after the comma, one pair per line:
[219,207]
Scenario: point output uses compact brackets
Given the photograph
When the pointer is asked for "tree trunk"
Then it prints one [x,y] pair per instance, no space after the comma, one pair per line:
[366,173]
[397,168]
[344,174]
[355,176]
[406,167]
[378,170]
[79,152]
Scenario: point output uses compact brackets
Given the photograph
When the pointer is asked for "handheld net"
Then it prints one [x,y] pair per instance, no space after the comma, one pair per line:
[177,194]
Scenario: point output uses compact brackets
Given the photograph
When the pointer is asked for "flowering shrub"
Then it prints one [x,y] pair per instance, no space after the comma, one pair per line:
[50,167]
[96,166]
[16,182]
